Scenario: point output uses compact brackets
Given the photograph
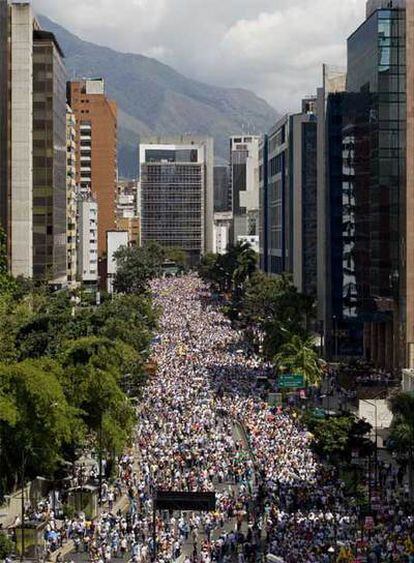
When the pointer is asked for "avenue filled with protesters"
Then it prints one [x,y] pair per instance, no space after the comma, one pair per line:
[273,494]
[203,426]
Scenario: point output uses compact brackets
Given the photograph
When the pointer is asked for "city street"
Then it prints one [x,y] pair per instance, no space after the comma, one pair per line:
[197,416]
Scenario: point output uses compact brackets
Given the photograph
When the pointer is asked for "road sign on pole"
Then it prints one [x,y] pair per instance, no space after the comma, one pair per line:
[291,381]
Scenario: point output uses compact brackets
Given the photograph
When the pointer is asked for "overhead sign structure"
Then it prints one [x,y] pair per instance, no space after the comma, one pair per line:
[173,500]
[291,381]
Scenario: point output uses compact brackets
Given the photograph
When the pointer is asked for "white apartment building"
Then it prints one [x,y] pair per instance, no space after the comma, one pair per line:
[115,240]
[17,24]
[244,182]
[88,240]
[221,231]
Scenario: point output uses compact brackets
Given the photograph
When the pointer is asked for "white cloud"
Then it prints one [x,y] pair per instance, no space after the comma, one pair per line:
[274,47]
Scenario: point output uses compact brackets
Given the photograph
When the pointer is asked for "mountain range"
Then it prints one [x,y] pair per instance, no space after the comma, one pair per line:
[153,98]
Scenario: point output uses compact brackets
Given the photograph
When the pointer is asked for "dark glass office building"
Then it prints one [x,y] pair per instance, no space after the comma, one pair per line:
[49,159]
[222,192]
[288,199]
[369,276]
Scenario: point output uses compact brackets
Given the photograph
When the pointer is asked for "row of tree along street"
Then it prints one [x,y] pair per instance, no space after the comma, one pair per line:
[68,368]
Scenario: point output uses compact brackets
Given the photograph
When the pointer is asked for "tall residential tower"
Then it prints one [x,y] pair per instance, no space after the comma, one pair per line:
[32,146]
[244,185]
[96,159]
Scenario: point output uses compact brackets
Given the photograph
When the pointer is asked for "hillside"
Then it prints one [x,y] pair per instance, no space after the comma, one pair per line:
[155,99]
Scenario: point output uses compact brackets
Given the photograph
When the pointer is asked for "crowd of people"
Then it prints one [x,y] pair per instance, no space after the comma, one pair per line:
[273,494]
[203,426]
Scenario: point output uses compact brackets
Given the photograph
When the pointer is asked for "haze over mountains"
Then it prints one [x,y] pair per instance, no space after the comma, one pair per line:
[155,99]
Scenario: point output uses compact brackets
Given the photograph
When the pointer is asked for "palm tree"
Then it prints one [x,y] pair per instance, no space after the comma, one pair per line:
[299,356]
[402,431]
[246,264]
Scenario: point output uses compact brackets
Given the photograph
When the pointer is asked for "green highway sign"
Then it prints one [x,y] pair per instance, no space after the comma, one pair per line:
[291,381]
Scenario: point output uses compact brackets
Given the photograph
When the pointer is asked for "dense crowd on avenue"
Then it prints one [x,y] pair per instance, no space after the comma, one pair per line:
[273,494]
[204,427]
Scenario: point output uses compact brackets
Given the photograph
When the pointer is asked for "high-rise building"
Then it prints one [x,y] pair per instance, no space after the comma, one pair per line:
[222,193]
[244,185]
[288,198]
[128,209]
[16,127]
[374,243]
[32,145]
[336,280]
[71,196]
[264,211]
[87,251]
[177,193]
[49,160]
[221,231]
[96,159]
[4,115]
[115,241]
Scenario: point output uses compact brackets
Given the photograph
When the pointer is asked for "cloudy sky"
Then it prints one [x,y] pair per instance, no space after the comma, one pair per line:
[273,47]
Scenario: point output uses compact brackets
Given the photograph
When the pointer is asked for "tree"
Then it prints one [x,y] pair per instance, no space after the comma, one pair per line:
[93,372]
[402,431]
[136,266]
[211,272]
[177,255]
[336,437]
[229,272]
[274,307]
[299,356]
[6,546]
[40,420]
[245,268]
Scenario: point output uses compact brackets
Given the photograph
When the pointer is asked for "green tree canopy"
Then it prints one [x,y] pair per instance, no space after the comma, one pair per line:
[229,272]
[38,421]
[136,266]
[299,356]
[177,255]
[336,437]
[6,546]
[402,432]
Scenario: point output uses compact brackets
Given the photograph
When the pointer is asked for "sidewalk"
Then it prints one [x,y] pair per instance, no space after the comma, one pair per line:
[122,504]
